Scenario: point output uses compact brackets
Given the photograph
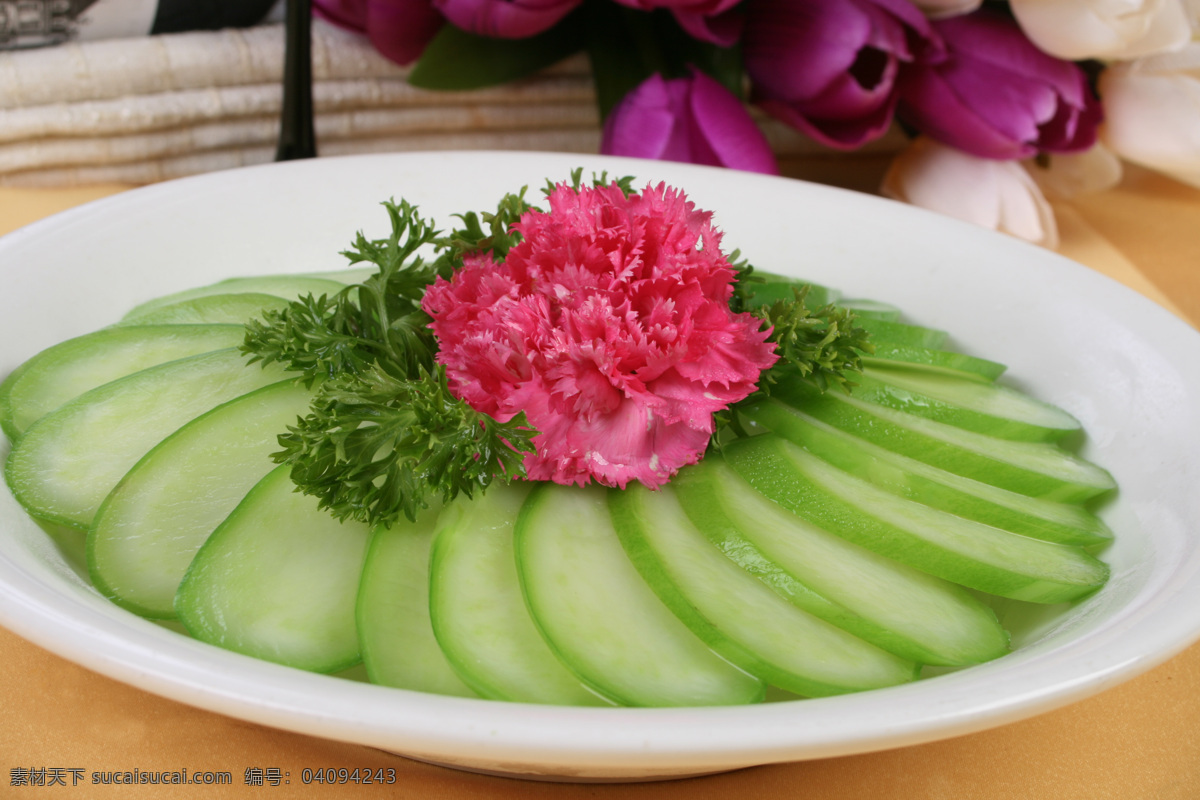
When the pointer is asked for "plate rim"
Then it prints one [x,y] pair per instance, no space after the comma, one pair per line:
[35,613]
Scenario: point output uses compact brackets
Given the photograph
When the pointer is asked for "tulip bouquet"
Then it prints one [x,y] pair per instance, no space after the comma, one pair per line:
[1004,101]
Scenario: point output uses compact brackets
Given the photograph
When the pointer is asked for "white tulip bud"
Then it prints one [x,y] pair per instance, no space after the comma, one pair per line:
[1105,29]
[1000,195]
[937,9]
[1152,112]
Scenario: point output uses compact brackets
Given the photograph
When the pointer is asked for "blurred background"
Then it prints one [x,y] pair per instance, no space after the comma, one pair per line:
[1011,114]
[135,91]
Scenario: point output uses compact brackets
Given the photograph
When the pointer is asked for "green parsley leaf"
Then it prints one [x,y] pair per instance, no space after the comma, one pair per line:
[486,232]
[823,345]
[375,447]
[376,322]
[384,434]
[624,183]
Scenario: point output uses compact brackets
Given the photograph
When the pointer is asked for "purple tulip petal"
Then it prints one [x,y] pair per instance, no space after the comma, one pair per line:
[991,38]
[505,19]
[706,7]
[350,14]
[724,126]
[996,95]
[845,116]
[849,97]
[684,144]
[929,104]
[641,124]
[1012,104]
[829,67]
[692,119]
[1070,132]
[398,29]
[723,30]
[715,21]
[848,134]
[906,12]
[794,50]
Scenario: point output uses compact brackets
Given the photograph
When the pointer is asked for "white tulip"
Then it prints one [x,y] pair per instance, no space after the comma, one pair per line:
[1105,29]
[1067,175]
[999,195]
[937,9]
[1193,12]
[1152,112]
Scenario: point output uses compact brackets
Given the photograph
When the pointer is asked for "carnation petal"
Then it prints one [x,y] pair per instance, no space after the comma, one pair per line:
[631,444]
[608,325]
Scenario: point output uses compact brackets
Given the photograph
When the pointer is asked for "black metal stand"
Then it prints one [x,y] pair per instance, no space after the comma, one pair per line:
[296,136]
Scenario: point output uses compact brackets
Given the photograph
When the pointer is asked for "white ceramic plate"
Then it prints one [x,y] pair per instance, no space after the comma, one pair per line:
[1127,369]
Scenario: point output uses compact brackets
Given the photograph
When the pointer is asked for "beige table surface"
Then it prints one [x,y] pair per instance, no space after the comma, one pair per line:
[1139,740]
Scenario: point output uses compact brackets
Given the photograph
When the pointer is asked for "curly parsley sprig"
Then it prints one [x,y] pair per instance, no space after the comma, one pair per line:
[374,446]
[823,344]
[384,435]
[376,322]
[490,232]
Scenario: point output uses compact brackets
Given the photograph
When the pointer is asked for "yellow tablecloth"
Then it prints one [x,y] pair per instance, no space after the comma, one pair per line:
[1139,740]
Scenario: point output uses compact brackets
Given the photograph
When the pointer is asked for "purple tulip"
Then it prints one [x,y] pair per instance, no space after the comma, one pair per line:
[996,95]
[505,19]
[692,119]
[715,21]
[399,29]
[829,67]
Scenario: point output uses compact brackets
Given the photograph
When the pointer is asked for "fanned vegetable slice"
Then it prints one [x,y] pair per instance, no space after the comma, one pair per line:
[211,308]
[68,369]
[285,286]
[479,614]
[601,619]
[394,629]
[1066,523]
[960,550]
[889,604]
[1038,469]
[277,580]
[989,408]
[69,460]
[736,614]
[153,522]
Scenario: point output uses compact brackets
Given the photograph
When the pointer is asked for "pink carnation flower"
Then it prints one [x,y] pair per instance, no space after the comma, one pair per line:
[609,326]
